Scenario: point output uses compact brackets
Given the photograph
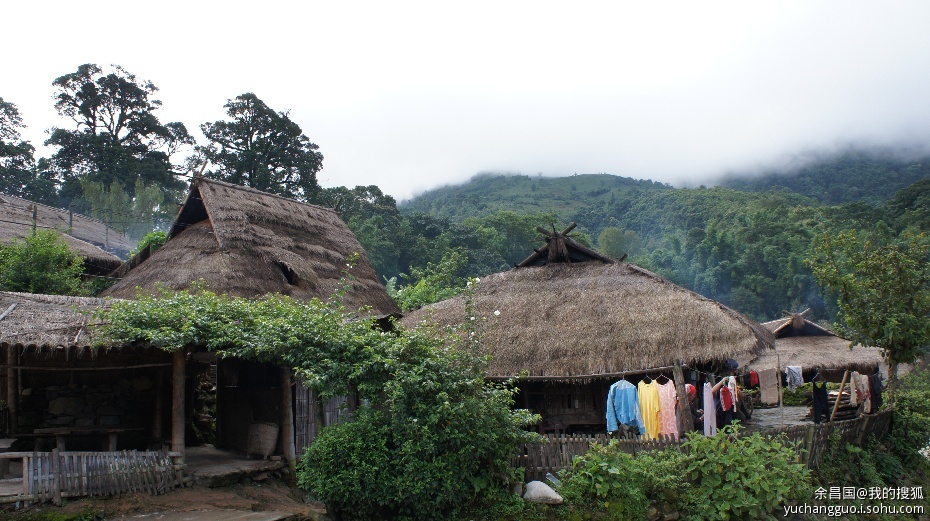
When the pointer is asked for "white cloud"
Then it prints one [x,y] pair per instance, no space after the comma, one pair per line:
[411,95]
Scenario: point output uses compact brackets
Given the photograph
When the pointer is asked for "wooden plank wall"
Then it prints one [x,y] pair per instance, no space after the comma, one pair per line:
[51,476]
[809,441]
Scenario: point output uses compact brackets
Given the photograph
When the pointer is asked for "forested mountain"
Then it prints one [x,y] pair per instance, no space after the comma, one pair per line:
[872,177]
[745,248]
[487,193]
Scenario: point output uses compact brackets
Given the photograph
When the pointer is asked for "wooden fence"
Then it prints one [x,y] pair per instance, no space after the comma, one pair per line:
[810,441]
[51,476]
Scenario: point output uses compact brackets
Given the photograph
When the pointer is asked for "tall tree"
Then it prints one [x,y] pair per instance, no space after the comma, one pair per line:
[883,290]
[19,174]
[262,149]
[116,135]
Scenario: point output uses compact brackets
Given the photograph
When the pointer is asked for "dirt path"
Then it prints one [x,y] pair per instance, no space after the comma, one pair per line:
[268,496]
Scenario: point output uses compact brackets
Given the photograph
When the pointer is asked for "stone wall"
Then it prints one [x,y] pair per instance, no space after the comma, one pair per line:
[113,400]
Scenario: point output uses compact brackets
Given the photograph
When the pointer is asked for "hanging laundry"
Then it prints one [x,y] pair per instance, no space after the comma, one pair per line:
[731,384]
[710,411]
[726,399]
[794,376]
[853,395]
[668,409]
[768,383]
[875,391]
[649,405]
[821,403]
[866,395]
[623,407]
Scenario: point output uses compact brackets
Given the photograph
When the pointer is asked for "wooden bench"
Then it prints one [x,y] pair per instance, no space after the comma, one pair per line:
[107,433]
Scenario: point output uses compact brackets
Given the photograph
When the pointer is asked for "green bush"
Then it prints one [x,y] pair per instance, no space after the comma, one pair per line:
[606,483]
[910,430]
[42,263]
[438,440]
[742,476]
[844,465]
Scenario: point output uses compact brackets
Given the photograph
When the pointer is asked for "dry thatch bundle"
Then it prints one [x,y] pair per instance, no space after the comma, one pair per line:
[585,319]
[47,321]
[801,342]
[87,237]
[247,243]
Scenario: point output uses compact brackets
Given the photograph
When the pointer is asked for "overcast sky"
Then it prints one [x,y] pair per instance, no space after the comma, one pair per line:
[413,95]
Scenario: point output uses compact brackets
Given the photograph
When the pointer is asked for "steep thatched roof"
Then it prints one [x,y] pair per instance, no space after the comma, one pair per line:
[801,342]
[50,321]
[248,243]
[585,319]
[89,238]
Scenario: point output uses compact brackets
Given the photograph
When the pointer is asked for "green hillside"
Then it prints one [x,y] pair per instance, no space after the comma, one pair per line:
[853,176]
[743,247]
[486,194]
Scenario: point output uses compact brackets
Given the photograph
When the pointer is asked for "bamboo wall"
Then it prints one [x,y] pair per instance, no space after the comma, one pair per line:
[809,441]
[52,476]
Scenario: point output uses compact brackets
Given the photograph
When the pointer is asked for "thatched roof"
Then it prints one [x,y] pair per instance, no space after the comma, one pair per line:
[561,248]
[585,319]
[248,243]
[801,342]
[46,321]
[91,239]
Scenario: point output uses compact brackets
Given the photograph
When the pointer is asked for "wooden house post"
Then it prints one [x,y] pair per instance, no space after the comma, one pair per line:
[159,405]
[684,407]
[178,371]
[319,414]
[12,395]
[287,421]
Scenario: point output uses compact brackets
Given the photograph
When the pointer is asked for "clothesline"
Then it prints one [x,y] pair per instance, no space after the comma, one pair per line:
[620,374]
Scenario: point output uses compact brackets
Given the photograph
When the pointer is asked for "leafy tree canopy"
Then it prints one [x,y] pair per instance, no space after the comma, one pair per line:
[42,263]
[882,287]
[262,149]
[437,281]
[19,173]
[116,136]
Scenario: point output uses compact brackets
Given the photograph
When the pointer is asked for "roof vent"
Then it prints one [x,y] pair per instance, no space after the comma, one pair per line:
[289,274]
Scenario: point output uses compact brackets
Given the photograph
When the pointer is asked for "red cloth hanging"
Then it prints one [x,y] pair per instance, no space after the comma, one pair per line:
[726,399]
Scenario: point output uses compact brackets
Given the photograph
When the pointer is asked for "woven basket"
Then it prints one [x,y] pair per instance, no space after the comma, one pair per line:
[263,438]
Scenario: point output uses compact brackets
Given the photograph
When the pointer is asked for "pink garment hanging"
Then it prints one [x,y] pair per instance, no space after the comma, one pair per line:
[668,409]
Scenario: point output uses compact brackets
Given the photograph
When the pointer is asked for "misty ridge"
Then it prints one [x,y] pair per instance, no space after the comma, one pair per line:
[741,239]
[820,174]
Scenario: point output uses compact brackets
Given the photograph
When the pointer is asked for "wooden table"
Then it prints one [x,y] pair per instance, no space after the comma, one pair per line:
[108,433]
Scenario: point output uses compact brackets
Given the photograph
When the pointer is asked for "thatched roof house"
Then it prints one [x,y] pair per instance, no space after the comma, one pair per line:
[801,342]
[93,240]
[588,319]
[248,243]
[47,321]
[594,316]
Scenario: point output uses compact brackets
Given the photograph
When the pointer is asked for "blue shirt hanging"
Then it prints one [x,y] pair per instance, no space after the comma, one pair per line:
[623,407]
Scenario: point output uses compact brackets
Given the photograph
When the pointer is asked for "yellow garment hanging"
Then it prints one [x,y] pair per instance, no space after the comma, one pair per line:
[649,407]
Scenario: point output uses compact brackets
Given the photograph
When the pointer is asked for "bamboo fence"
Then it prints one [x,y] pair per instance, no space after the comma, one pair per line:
[52,476]
[556,452]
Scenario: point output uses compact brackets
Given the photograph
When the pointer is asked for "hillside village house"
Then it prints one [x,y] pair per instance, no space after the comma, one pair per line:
[100,246]
[568,322]
[240,242]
